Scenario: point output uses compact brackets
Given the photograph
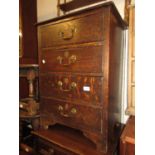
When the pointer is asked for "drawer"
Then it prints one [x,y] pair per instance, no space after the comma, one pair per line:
[82,59]
[85,90]
[44,147]
[73,30]
[76,116]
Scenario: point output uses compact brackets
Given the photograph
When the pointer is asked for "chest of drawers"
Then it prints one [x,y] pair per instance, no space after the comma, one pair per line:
[80,57]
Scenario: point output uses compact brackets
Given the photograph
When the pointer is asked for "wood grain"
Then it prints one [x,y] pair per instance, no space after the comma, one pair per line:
[95,37]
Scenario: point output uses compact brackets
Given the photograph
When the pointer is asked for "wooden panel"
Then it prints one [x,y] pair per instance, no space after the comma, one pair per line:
[132,30]
[68,139]
[85,95]
[29,32]
[133,71]
[44,148]
[131,79]
[80,59]
[77,30]
[78,89]
[133,96]
[130,149]
[72,115]
[23,88]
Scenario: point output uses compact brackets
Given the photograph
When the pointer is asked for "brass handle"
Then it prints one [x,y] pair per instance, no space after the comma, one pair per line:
[64,115]
[61,110]
[70,60]
[68,33]
[72,86]
[73,111]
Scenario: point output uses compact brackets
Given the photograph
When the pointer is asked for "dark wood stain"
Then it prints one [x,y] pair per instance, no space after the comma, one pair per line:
[29,32]
[94,37]
[86,92]
[88,59]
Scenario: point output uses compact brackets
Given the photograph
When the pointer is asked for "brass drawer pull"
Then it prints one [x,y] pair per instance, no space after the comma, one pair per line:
[64,115]
[70,60]
[68,32]
[61,110]
[72,86]
[73,111]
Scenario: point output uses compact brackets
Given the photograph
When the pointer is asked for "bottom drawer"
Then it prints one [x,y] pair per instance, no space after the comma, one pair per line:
[44,147]
[76,116]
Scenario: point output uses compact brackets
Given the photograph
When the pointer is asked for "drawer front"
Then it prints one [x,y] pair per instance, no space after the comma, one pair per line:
[44,147]
[83,59]
[86,90]
[76,116]
[77,30]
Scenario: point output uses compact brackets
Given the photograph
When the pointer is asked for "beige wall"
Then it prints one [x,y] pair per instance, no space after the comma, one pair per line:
[47,9]
[120,5]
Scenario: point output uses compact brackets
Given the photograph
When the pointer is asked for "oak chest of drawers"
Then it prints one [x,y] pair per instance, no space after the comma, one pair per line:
[80,57]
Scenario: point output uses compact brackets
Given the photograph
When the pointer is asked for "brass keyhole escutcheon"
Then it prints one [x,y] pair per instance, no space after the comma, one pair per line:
[73,85]
[66,59]
[60,83]
[73,111]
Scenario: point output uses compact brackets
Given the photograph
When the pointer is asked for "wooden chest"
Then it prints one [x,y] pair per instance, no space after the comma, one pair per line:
[80,57]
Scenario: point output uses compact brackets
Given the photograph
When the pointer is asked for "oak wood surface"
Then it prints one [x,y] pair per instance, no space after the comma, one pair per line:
[72,31]
[87,59]
[131,78]
[28,16]
[86,90]
[95,112]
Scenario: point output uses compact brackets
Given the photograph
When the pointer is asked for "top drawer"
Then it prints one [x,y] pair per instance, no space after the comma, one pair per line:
[75,30]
